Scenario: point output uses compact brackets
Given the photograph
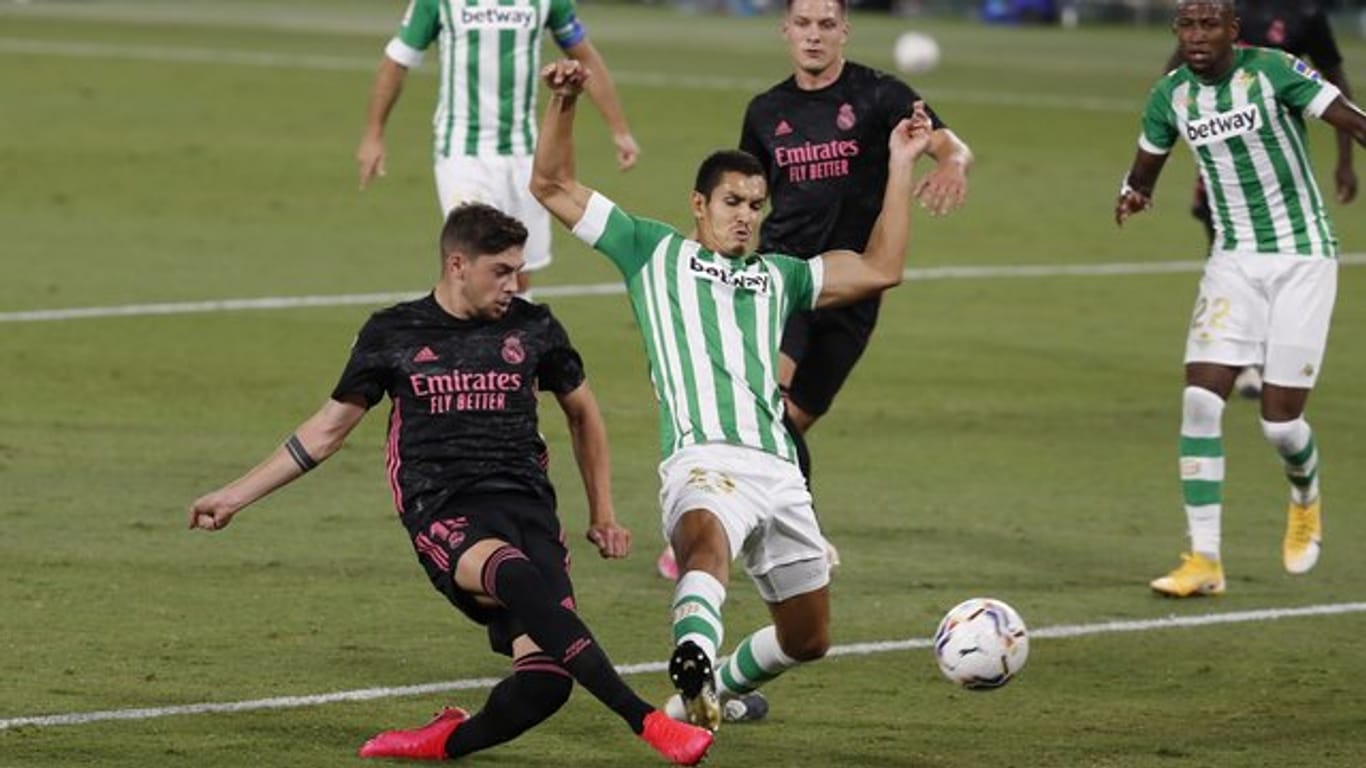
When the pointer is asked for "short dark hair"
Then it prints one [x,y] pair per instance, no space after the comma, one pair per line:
[1224,5]
[721,162]
[844,6]
[476,229]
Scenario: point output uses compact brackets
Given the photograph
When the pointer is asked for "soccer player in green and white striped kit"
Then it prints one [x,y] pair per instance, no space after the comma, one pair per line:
[712,316]
[485,120]
[1266,296]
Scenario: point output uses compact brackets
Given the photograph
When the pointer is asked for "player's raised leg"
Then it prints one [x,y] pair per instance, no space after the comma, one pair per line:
[1300,315]
[1294,442]
[1285,428]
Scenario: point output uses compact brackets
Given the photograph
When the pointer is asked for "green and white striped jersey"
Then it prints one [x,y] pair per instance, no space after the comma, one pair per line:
[711,324]
[1247,131]
[490,57]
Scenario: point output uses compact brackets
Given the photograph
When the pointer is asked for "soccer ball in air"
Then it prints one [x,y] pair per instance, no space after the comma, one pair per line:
[915,52]
[981,644]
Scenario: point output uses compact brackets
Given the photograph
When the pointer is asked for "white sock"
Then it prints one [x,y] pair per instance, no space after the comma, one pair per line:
[1294,441]
[1202,468]
[698,598]
[756,660]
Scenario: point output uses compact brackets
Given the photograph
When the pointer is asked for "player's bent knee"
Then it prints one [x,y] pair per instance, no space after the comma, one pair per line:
[1286,436]
[1201,411]
[809,648]
[800,603]
[469,569]
[804,641]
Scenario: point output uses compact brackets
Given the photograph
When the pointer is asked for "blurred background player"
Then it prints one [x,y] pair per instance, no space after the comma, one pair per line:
[707,311]
[485,121]
[821,136]
[463,367]
[1301,28]
[1266,296]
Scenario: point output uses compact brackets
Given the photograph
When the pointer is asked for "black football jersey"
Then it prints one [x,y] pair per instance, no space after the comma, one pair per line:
[825,155]
[463,398]
[1299,27]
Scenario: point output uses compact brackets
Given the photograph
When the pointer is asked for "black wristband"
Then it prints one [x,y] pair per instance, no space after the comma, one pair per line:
[299,453]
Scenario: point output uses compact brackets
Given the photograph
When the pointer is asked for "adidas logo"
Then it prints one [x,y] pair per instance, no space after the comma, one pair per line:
[783,128]
[425,355]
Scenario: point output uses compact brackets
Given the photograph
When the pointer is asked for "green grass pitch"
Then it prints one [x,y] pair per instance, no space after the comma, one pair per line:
[1004,435]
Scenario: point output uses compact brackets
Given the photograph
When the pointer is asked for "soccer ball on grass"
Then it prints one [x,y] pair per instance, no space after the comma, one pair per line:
[981,644]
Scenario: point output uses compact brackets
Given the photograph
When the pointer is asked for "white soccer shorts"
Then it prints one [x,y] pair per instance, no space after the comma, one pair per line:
[504,183]
[1265,308]
[762,503]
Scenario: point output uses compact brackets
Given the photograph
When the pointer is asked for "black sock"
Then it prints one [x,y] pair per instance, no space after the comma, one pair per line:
[803,453]
[511,579]
[537,688]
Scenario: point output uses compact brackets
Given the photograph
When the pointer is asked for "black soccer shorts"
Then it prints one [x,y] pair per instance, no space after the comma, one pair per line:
[826,343]
[525,521]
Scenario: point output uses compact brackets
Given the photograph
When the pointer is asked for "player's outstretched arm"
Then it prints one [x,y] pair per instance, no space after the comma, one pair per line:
[1344,175]
[603,93]
[850,276]
[316,439]
[553,179]
[1346,116]
[945,188]
[383,95]
[588,433]
[1136,191]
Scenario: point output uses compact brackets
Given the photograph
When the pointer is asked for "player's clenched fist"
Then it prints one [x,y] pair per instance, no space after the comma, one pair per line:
[211,512]
[1130,201]
[565,77]
[911,136]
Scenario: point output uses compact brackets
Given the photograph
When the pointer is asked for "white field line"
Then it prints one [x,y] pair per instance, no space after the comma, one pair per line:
[597,289]
[855,649]
[296,61]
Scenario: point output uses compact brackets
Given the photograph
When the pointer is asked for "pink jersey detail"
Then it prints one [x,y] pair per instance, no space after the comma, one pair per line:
[434,551]
[391,455]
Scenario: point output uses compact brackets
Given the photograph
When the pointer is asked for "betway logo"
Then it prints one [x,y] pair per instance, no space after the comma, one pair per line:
[1224,126]
[505,17]
[755,282]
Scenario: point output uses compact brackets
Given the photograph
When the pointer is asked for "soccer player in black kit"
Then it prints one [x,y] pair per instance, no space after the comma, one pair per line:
[1300,28]
[467,465]
[821,136]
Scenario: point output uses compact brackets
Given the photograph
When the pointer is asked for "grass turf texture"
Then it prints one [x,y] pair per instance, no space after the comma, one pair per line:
[1013,437]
